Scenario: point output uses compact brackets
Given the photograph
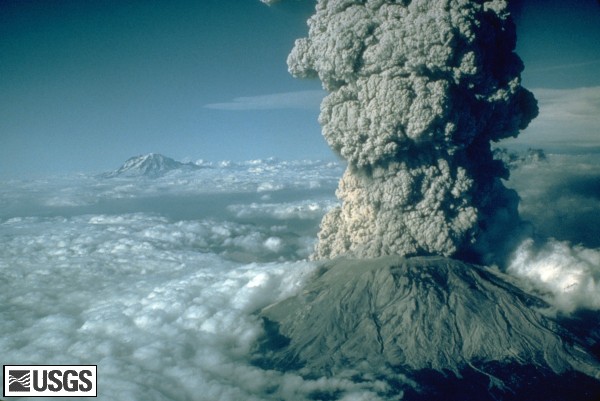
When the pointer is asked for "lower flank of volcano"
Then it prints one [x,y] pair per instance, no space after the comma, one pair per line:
[431,328]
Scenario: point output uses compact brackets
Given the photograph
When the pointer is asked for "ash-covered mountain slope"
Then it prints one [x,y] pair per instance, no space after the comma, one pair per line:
[434,321]
[151,165]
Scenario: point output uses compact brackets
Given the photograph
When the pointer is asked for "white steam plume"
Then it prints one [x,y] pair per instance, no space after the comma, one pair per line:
[417,91]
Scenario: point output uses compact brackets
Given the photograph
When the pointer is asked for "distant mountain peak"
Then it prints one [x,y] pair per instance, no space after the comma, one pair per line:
[150,165]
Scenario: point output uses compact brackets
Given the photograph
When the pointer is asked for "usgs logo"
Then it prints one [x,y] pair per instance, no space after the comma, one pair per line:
[50,380]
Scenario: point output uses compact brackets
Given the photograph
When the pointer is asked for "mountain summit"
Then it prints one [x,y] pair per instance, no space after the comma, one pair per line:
[432,326]
[151,165]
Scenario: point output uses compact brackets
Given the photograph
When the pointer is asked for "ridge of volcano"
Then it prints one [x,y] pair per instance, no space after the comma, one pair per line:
[436,322]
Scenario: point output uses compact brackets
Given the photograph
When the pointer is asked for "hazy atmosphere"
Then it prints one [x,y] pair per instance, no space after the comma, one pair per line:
[179,209]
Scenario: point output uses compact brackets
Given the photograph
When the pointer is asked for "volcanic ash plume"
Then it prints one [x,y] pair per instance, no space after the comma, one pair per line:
[417,92]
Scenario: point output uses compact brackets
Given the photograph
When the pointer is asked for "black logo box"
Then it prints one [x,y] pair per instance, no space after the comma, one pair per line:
[22,381]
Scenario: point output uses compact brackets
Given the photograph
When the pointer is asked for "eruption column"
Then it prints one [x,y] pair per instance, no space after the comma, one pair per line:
[418,90]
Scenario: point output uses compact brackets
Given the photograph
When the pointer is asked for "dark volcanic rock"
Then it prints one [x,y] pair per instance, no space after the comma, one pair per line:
[436,321]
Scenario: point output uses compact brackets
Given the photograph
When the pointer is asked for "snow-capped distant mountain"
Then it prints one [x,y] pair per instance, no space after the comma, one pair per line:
[151,165]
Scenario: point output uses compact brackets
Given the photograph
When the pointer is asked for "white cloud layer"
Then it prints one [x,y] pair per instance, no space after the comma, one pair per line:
[151,302]
[569,118]
[113,272]
[309,99]
[224,180]
[303,210]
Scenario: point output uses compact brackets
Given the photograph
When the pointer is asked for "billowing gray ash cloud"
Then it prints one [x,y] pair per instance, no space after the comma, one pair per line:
[418,90]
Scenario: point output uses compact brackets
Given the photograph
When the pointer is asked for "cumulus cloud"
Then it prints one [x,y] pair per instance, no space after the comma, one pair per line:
[164,315]
[417,91]
[309,99]
[569,276]
[560,196]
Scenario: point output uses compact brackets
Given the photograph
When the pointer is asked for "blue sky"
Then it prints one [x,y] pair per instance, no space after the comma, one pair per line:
[86,84]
